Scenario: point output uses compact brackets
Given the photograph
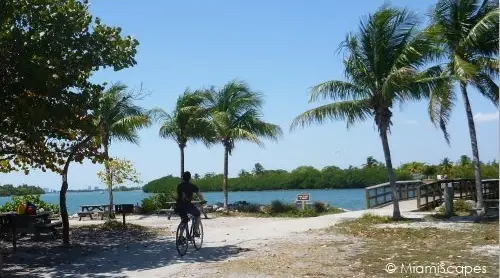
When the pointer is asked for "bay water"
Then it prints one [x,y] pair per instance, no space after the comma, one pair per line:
[350,199]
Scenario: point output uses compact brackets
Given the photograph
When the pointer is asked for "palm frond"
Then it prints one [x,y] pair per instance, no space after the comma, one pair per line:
[350,111]
[235,114]
[487,87]
[119,117]
[441,102]
[336,90]
[485,25]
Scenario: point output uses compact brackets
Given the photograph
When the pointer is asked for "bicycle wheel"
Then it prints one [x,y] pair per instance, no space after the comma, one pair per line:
[181,239]
[197,241]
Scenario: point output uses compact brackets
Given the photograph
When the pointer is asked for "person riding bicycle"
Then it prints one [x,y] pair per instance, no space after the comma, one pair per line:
[185,192]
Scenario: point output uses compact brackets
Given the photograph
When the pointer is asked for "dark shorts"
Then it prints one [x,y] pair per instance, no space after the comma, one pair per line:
[184,209]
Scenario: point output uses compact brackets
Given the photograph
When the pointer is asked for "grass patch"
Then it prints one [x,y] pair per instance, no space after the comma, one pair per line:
[279,209]
[290,214]
[420,247]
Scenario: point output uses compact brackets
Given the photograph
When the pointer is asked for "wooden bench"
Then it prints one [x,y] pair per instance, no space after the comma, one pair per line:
[102,214]
[84,214]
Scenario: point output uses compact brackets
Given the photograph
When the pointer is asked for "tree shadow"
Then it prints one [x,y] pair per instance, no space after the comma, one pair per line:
[107,255]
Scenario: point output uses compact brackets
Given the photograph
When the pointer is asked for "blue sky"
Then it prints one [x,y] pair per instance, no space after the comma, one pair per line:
[281,48]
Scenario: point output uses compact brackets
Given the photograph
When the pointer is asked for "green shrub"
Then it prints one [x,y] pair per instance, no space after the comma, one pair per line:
[460,205]
[280,207]
[243,206]
[320,207]
[158,201]
[34,199]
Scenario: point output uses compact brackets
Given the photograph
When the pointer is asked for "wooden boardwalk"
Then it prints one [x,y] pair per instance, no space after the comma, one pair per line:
[419,195]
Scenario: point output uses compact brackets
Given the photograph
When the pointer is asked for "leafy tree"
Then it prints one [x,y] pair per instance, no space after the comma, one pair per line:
[48,51]
[196,176]
[467,32]
[430,170]
[186,122]
[117,171]
[235,115]
[414,167]
[383,67]
[258,169]
[464,160]
[118,118]
[81,147]
[370,162]
[243,174]
[445,166]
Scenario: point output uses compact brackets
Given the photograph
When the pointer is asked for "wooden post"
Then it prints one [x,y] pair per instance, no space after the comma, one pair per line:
[448,199]
[419,195]
[367,195]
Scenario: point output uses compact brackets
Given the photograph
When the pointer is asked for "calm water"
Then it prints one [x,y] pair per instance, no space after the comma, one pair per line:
[351,199]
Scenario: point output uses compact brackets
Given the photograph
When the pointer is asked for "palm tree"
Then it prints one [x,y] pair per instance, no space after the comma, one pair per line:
[187,121]
[446,166]
[464,161]
[383,64]
[370,162]
[235,115]
[119,119]
[467,31]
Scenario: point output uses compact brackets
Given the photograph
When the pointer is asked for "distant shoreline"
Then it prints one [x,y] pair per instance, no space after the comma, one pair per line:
[264,190]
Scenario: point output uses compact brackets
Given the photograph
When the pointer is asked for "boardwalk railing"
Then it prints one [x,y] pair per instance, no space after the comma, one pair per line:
[431,195]
[380,195]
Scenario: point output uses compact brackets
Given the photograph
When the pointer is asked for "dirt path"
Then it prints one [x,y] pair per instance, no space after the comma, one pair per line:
[227,239]
[267,241]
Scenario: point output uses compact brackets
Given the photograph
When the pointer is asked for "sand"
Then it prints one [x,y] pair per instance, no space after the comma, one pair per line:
[226,239]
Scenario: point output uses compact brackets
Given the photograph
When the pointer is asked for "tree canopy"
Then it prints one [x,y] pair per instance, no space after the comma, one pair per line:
[48,51]
[307,177]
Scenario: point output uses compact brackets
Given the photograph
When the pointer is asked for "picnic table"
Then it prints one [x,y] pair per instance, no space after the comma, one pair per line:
[88,210]
[170,210]
[27,223]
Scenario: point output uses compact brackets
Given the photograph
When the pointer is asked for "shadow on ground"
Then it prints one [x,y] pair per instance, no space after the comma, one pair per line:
[104,254]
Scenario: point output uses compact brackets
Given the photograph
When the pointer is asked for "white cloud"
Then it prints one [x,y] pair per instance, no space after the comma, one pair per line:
[487,117]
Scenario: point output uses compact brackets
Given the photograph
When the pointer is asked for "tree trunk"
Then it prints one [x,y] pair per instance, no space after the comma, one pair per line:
[396,214]
[181,147]
[63,208]
[109,178]
[475,149]
[62,199]
[224,181]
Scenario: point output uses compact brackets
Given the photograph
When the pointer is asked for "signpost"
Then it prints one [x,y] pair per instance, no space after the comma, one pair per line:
[303,199]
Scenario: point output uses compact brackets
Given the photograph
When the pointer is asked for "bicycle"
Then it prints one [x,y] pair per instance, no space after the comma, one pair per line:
[185,234]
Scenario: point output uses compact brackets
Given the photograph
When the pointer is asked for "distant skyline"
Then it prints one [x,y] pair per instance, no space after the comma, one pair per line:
[280,49]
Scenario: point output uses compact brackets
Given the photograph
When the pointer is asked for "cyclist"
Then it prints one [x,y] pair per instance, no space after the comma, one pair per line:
[185,192]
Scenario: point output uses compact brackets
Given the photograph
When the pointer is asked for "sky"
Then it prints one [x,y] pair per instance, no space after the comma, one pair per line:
[281,49]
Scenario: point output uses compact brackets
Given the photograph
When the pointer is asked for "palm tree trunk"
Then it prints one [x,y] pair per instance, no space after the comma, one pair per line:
[475,149]
[396,214]
[109,178]
[224,181]
[181,147]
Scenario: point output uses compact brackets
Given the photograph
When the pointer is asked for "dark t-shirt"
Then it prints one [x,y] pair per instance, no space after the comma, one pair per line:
[188,189]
